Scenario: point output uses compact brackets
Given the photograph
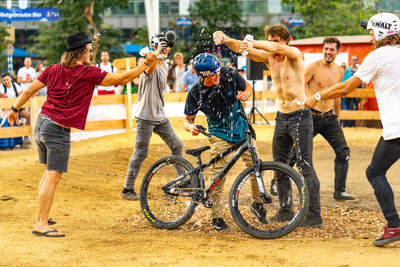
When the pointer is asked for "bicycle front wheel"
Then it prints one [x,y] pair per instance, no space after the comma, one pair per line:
[288,207]
[170,207]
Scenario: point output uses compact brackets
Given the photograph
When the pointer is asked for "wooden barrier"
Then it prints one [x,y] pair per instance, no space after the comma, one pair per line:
[36,102]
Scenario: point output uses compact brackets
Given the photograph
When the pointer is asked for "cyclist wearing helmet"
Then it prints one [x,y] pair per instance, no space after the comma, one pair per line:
[294,123]
[218,95]
[382,67]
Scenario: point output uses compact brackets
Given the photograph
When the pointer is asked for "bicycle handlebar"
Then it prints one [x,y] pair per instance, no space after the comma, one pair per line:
[203,130]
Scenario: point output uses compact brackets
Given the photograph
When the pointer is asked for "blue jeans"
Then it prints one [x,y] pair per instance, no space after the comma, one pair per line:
[296,128]
[385,155]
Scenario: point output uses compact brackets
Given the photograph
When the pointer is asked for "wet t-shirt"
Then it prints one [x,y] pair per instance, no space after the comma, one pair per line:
[220,105]
[69,92]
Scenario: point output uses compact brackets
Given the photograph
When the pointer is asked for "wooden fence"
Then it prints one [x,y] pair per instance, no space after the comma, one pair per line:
[36,102]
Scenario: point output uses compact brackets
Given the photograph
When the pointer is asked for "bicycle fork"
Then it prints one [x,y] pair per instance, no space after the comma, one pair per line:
[260,182]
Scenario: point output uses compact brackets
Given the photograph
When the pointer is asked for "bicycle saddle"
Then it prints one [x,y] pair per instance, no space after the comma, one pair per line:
[197,151]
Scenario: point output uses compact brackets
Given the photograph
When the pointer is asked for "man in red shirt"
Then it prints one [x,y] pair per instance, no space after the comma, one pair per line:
[70,86]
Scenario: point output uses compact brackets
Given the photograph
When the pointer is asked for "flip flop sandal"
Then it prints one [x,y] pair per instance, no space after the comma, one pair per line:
[46,234]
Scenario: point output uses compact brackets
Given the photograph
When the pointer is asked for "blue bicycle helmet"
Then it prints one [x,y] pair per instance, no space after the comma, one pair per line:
[206,64]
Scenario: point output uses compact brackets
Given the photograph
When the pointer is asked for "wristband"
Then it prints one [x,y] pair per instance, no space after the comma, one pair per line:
[318,96]
[14,109]
[146,64]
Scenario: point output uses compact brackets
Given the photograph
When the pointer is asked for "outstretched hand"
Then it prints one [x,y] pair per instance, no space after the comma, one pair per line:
[219,37]
[151,57]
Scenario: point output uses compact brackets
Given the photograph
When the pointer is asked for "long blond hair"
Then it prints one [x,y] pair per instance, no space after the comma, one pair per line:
[391,40]
[69,58]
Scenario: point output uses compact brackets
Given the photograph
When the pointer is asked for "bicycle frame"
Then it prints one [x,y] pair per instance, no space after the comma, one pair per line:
[241,147]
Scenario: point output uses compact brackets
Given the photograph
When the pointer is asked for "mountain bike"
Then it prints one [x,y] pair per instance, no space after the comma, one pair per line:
[172,188]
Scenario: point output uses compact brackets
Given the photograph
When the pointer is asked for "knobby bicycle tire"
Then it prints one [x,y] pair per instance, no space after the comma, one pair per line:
[278,223]
[164,210]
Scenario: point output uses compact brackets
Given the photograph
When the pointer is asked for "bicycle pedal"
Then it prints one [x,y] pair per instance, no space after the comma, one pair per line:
[207,204]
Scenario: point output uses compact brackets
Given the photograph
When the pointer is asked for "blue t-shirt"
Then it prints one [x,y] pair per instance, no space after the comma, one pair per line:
[220,105]
[189,79]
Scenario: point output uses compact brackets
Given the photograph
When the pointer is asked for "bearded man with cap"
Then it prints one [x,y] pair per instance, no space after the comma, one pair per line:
[70,86]
[218,96]
[382,67]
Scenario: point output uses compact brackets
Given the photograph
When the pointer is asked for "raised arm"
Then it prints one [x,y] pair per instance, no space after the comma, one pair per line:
[127,76]
[237,46]
[276,48]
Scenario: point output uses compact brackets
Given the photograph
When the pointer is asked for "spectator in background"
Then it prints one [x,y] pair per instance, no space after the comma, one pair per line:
[178,72]
[170,75]
[350,103]
[39,69]
[343,65]
[26,74]
[106,65]
[189,78]
[10,89]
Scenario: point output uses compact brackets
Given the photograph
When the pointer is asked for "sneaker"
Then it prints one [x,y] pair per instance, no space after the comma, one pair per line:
[342,196]
[259,211]
[389,235]
[219,224]
[130,195]
[282,216]
[312,222]
[274,187]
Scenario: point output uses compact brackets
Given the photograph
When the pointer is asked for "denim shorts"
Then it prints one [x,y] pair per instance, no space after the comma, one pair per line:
[53,142]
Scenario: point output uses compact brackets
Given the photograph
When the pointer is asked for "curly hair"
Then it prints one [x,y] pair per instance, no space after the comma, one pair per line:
[391,40]
[277,30]
[331,40]
[69,58]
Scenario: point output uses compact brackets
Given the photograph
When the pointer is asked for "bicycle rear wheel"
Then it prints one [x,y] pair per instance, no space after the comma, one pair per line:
[167,209]
[279,219]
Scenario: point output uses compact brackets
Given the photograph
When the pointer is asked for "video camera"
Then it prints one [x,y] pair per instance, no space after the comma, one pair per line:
[167,37]
[364,24]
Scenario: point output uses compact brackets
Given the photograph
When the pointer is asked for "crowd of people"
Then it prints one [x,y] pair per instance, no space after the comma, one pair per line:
[308,103]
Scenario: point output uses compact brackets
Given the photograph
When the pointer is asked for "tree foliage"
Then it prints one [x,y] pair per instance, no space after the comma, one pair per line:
[3,44]
[50,43]
[330,17]
[214,15]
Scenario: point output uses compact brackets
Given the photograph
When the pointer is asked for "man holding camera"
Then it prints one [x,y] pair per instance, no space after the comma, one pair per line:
[150,116]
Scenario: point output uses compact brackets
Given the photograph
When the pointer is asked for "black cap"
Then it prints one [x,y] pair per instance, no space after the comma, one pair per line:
[76,40]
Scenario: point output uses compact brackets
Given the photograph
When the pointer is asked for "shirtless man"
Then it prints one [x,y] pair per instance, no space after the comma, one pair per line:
[320,75]
[294,123]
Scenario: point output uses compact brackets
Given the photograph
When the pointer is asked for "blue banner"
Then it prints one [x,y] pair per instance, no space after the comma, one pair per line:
[29,14]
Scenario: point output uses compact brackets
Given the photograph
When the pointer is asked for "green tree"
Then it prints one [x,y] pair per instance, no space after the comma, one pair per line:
[214,15]
[78,15]
[330,17]
[3,45]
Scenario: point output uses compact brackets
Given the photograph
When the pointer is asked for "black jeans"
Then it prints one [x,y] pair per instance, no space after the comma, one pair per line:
[330,129]
[385,155]
[296,128]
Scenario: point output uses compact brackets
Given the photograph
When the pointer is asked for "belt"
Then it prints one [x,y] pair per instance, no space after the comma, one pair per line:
[56,123]
[322,114]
